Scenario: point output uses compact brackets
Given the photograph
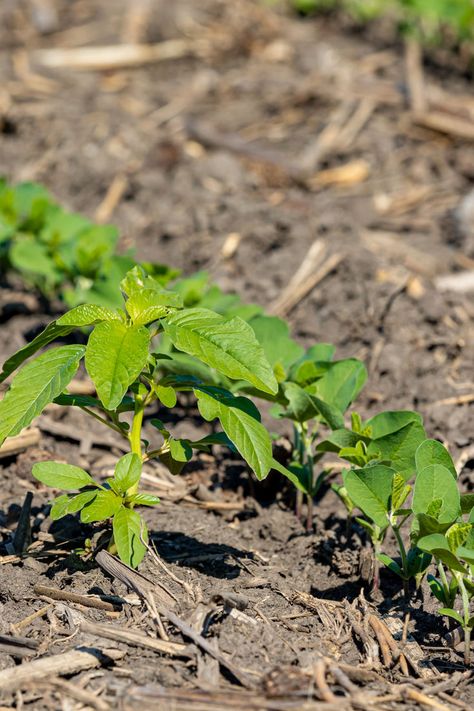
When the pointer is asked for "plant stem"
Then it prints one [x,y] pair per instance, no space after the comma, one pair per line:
[309,513]
[135,436]
[467,629]
[445,584]
[403,555]
[376,577]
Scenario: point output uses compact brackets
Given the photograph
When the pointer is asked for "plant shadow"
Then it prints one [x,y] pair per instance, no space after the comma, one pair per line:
[216,560]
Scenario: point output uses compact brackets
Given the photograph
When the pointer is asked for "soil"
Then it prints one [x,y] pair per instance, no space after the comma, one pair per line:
[275,83]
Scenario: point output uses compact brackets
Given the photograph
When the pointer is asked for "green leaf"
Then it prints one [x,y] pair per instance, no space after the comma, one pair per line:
[386,423]
[219,438]
[104,505]
[438,546]
[342,382]
[290,474]
[87,315]
[457,535]
[61,476]
[399,447]
[273,334]
[142,499]
[228,346]
[390,564]
[237,417]
[115,356]
[433,483]
[129,530]
[67,504]
[180,449]
[166,395]
[340,439]
[300,403]
[29,255]
[400,492]
[466,554]
[35,386]
[128,471]
[433,452]
[330,414]
[451,613]
[150,305]
[370,489]
[467,503]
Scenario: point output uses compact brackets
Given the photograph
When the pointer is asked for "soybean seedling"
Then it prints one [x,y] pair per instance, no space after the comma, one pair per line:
[60,253]
[123,360]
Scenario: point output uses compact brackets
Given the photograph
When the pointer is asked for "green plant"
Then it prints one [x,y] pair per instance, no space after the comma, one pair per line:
[443,526]
[383,453]
[314,392]
[60,253]
[427,20]
[124,361]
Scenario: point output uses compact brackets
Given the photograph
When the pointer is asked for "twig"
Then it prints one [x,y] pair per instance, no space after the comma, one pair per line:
[15,445]
[115,56]
[414,74]
[112,198]
[67,688]
[457,400]
[70,662]
[85,600]
[319,671]
[133,638]
[17,646]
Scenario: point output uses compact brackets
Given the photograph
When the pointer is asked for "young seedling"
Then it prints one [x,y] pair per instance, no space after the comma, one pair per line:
[62,254]
[314,391]
[123,360]
[383,451]
[440,528]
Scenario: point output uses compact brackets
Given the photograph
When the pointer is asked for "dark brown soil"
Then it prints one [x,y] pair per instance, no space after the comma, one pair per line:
[276,83]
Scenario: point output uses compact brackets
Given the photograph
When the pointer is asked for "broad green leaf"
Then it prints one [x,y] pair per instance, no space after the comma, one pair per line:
[457,535]
[386,423]
[273,334]
[128,471]
[150,305]
[340,439]
[87,315]
[142,499]
[103,506]
[342,382]
[434,483]
[180,450]
[35,386]
[129,531]
[433,452]
[67,504]
[399,448]
[330,414]
[61,476]
[166,395]
[466,554]
[438,546]
[228,346]
[370,489]
[93,247]
[451,613]
[174,466]
[115,356]
[236,415]
[300,403]
[29,255]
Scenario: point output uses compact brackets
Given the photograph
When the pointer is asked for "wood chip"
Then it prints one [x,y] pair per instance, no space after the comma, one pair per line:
[15,445]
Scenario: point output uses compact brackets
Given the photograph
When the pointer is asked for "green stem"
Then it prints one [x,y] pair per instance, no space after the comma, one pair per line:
[467,629]
[135,436]
[403,553]
[445,584]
